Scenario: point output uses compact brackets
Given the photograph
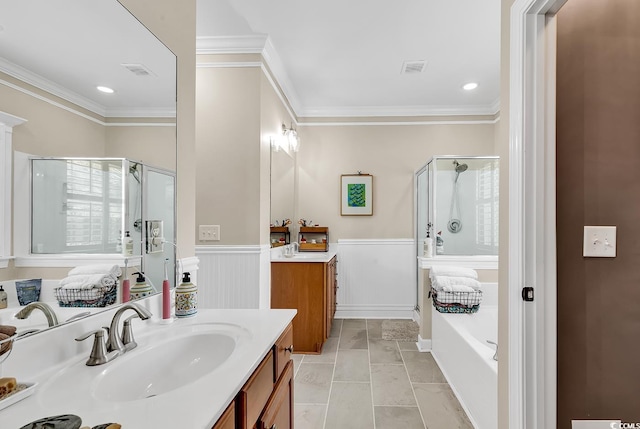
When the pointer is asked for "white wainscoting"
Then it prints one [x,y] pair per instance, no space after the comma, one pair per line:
[376,278]
[230,276]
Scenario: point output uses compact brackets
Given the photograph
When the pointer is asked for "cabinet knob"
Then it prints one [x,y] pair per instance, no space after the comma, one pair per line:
[289,349]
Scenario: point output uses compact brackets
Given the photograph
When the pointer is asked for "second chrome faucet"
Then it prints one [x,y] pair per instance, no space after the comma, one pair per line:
[116,344]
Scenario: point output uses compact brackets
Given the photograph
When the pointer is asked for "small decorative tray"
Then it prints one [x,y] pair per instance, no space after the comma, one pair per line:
[24,390]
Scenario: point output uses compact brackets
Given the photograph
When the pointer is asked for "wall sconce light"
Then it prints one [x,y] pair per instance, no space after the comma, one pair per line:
[290,137]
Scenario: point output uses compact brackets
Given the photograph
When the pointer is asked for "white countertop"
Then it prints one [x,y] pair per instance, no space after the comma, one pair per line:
[196,405]
[277,255]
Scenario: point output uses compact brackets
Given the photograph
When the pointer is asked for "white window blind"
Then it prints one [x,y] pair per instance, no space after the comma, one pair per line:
[487,203]
[93,205]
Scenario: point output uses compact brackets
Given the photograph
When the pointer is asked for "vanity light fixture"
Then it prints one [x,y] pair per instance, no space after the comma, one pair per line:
[470,86]
[105,89]
[290,136]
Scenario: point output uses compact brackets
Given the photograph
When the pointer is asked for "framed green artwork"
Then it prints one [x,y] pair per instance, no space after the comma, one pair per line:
[356,196]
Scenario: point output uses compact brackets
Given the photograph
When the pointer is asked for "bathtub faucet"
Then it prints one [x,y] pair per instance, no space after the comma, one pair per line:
[495,356]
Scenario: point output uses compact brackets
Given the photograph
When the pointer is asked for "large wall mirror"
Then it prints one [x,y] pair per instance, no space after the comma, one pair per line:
[282,189]
[54,56]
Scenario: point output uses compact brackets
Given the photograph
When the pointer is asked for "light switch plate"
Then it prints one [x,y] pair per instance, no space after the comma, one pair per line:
[599,241]
[209,232]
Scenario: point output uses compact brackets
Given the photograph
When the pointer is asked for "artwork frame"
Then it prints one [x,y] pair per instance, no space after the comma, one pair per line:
[356,195]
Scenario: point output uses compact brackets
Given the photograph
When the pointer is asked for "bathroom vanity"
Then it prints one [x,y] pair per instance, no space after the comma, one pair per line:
[309,284]
[246,383]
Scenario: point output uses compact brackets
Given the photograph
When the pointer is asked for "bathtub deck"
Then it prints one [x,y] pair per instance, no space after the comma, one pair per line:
[360,379]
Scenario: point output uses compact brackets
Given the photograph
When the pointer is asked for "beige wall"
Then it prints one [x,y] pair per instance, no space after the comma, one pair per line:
[391,153]
[154,145]
[228,153]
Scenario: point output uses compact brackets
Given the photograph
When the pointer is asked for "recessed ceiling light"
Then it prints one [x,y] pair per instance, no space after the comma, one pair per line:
[105,89]
[469,86]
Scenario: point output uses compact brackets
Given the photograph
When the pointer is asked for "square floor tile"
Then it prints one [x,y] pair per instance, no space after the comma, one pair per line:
[398,417]
[313,383]
[353,338]
[354,324]
[422,368]
[382,351]
[307,416]
[352,365]
[350,406]
[439,406]
[391,385]
[374,329]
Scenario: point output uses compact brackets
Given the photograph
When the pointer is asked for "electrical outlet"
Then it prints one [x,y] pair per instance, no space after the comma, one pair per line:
[599,241]
[209,232]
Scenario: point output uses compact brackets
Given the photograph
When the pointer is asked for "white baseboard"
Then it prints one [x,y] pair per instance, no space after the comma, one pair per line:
[423,345]
[374,312]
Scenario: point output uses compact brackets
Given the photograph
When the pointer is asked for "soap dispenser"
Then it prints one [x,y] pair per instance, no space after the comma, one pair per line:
[186,297]
[141,289]
[3,298]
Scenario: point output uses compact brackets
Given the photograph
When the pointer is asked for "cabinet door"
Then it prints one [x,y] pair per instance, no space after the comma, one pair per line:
[283,350]
[228,418]
[255,393]
[278,413]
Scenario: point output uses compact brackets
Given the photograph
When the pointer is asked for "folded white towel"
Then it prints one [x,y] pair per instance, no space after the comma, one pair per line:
[457,288]
[452,271]
[442,282]
[459,298]
[87,281]
[96,269]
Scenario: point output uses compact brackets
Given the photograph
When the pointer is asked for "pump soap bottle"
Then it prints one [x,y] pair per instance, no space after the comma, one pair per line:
[3,298]
[128,244]
[141,289]
[186,297]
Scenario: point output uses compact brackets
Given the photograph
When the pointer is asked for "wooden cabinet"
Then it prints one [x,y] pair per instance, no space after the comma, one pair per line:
[278,413]
[332,291]
[309,287]
[266,399]
[228,418]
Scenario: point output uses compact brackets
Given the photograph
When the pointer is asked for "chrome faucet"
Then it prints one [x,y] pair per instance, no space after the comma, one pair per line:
[52,319]
[115,342]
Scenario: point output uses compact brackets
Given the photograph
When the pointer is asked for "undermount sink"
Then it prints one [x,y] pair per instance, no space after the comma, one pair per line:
[164,361]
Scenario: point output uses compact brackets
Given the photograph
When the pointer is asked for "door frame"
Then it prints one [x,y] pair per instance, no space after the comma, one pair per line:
[532,331]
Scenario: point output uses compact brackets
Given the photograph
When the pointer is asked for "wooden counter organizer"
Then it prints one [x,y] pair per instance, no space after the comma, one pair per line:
[318,233]
[280,231]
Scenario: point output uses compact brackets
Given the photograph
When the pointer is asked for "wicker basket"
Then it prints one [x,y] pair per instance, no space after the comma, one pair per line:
[100,296]
[456,302]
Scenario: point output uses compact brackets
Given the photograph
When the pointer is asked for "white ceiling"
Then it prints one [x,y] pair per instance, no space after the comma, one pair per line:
[344,58]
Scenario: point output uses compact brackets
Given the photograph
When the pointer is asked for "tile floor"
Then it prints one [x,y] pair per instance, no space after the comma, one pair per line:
[363,381]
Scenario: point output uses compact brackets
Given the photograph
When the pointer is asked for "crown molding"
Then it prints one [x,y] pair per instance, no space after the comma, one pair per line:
[389,111]
[56,90]
[248,44]
[276,67]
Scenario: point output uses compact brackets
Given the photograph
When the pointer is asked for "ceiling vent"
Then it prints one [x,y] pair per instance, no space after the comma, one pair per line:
[138,69]
[412,67]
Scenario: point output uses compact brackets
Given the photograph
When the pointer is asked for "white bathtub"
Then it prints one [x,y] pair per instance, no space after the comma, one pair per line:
[459,347]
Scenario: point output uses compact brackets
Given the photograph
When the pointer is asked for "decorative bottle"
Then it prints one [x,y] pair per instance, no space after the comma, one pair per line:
[439,244]
[141,289]
[3,298]
[186,297]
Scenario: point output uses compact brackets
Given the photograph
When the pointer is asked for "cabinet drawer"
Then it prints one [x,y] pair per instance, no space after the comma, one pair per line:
[255,393]
[278,414]
[228,418]
[283,350]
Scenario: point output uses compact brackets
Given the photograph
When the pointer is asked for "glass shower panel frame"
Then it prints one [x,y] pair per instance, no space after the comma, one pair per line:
[443,205]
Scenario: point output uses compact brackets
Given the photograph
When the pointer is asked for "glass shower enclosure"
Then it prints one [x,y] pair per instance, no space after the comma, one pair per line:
[456,202]
[90,205]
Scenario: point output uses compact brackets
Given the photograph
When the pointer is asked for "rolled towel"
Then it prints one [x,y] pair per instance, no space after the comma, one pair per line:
[5,343]
[87,281]
[7,330]
[96,269]
[452,271]
[440,282]
[458,288]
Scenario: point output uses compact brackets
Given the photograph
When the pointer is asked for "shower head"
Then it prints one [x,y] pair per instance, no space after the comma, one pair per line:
[459,167]
[133,170]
